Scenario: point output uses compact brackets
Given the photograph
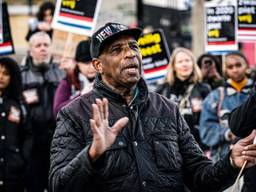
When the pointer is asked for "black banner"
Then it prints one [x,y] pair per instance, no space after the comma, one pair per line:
[155,55]
[246,13]
[221,28]
[220,24]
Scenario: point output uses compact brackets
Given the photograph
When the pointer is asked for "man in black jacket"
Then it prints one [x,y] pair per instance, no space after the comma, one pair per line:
[40,78]
[131,140]
[242,122]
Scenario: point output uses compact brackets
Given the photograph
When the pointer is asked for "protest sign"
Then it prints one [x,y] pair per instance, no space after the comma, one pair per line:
[64,43]
[155,55]
[246,16]
[221,24]
[76,16]
[6,46]
[1,22]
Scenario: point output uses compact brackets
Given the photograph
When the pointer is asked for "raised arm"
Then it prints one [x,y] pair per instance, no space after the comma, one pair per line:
[103,135]
[72,157]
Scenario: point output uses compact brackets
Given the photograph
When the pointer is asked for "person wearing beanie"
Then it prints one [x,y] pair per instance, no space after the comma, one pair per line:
[79,80]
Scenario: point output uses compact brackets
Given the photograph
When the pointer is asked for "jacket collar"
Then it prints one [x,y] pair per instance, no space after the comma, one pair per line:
[104,91]
[246,89]
[38,69]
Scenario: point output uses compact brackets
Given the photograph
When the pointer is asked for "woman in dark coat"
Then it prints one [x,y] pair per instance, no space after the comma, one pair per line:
[183,86]
[15,135]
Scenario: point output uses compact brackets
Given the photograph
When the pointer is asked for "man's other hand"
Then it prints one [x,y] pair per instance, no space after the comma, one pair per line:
[244,150]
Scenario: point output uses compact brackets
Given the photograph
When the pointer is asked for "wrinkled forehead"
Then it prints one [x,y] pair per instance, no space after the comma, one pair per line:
[121,40]
[39,39]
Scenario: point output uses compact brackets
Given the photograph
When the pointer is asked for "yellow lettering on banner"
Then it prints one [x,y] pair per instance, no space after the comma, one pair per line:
[214,33]
[149,39]
[151,50]
[245,18]
[69,3]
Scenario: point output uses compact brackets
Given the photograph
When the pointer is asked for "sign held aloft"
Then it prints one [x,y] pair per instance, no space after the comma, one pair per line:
[155,55]
[64,43]
[76,16]
[221,24]
[246,15]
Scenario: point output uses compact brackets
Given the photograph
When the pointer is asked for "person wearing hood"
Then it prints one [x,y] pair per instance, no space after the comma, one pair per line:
[183,85]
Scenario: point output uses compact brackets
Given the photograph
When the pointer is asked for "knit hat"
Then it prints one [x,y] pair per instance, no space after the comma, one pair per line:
[83,52]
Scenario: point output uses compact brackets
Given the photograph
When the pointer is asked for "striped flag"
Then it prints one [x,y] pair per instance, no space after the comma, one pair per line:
[77,17]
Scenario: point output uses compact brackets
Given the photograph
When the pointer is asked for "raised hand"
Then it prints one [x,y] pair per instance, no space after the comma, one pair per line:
[244,150]
[103,135]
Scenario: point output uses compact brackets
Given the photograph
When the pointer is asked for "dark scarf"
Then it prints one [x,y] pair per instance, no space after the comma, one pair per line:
[179,87]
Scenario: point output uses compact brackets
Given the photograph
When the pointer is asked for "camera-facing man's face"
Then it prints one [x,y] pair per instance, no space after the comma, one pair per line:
[120,62]
[40,49]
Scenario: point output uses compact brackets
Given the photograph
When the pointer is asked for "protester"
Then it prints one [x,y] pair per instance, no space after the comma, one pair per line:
[15,132]
[241,122]
[79,81]
[43,20]
[183,86]
[214,128]
[211,70]
[97,148]
[40,79]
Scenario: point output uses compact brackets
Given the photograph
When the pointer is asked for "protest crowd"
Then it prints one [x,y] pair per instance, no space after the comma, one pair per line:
[100,118]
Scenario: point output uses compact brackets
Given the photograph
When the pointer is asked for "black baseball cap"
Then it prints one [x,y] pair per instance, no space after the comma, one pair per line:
[109,32]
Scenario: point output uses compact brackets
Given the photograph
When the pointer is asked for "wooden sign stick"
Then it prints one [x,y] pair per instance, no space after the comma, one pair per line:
[241,171]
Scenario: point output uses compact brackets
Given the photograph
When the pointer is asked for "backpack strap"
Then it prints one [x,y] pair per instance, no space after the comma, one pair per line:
[221,98]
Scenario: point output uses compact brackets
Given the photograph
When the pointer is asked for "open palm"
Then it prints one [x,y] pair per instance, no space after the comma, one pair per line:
[103,135]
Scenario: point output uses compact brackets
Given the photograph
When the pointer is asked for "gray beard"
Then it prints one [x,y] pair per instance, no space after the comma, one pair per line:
[42,63]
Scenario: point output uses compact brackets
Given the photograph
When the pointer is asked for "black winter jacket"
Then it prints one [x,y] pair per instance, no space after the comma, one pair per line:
[154,152]
[39,86]
[242,122]
[15,145]
[191,108]
[242,119]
